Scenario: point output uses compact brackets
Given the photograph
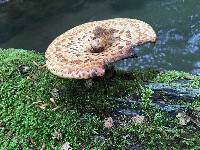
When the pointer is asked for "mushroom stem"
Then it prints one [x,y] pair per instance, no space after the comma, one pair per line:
[110,70]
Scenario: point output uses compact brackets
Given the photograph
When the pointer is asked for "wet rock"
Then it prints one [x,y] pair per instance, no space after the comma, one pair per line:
[165,97]
[136,147]
[127,111]
[176,90]
[3,1]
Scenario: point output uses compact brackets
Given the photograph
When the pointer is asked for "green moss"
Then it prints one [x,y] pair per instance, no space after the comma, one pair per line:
[28,119]
[21,98]
[171,76]
[196,83]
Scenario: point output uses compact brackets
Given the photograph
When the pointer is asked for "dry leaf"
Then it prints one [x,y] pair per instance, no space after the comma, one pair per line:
[66,146]
[35,103]
[31,140]
[53,101]
[89,83]
[108,123]
[54,109]
[42,106]
[55,93]
[190,78]
[183,118]
[43,146]
[197,109]
[38,65]
[57,135]
[137,119]
[29,78]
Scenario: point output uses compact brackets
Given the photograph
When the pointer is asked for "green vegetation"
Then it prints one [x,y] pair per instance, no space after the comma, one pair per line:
[41,111]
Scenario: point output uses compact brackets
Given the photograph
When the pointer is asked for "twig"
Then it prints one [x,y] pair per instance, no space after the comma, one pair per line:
[39,66]
[34,103]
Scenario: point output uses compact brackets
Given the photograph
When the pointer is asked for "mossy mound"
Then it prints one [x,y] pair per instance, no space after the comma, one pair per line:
[39,110]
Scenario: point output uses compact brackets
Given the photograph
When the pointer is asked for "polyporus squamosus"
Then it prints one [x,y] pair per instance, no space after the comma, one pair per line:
[83,51]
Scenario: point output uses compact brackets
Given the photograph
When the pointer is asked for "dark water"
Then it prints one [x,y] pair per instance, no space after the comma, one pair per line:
[33,24]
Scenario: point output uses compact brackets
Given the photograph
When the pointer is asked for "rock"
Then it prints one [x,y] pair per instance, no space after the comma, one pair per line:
[176,89]
[127,112]
[3,1]
[165,98]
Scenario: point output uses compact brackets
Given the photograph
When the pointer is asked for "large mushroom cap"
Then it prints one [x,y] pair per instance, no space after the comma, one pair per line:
[83,51]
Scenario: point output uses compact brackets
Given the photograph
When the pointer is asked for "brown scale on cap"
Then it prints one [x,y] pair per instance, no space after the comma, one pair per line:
[103,38]
[83,51]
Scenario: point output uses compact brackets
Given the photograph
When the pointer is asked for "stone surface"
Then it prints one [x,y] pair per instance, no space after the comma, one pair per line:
[165,97]
[3,1]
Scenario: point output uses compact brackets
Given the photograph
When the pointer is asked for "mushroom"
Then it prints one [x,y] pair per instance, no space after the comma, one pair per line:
[84,51]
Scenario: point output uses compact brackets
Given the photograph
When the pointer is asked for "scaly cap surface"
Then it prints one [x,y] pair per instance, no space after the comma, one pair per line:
[83,51]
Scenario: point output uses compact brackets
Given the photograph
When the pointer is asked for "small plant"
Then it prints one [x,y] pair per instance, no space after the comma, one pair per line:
[146,102]
[169,76]
[146,98]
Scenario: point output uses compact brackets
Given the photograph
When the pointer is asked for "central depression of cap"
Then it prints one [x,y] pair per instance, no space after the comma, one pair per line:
[81,53]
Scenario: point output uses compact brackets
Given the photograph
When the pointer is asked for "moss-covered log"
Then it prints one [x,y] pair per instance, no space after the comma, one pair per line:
[39,110]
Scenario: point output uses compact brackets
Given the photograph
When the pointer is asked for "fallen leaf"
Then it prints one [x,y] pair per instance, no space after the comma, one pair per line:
[35,103]
[29,78]
[189,78]
[9,133]
[31,140]
[89,83]
[54,109]
[42,106]
[137,119]
[57,135]
[197,109]
[162,102]
[108,123]
[55,93]
[43,146]
[24,69]
[38,65]
[66,146]
[183,118]
[53,101]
